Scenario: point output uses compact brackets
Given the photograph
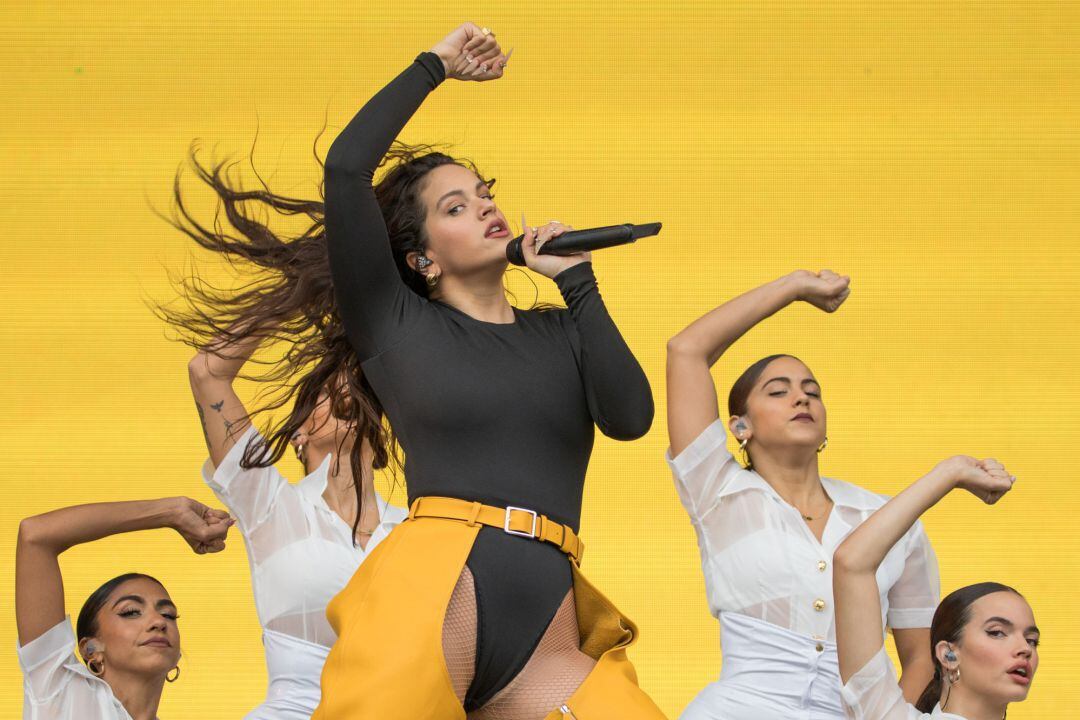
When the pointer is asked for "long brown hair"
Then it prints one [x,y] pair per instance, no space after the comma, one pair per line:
[950,619]
[288,296]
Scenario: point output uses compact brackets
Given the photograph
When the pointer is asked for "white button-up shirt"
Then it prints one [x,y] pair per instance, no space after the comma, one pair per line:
[873,694]
[301,554]
[769,582]
[56,686]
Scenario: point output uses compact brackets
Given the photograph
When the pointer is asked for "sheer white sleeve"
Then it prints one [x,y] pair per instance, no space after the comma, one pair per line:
[702,470]
[874,694]
[249,493]
[915,595]
[56,686]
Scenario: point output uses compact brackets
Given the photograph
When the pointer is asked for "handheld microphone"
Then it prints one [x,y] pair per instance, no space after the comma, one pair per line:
[576,241]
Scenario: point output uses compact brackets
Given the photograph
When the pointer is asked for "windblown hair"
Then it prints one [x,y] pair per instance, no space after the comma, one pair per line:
[950,619]
[287,296]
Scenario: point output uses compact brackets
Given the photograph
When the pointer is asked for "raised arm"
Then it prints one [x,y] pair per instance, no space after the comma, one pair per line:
[855,563]
[691,393]
[39,587]
[373,302]
[221,412]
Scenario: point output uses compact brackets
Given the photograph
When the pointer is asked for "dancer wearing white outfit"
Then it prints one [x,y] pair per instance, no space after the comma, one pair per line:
[983,639]
[127,630]
[300,538]
[767,531]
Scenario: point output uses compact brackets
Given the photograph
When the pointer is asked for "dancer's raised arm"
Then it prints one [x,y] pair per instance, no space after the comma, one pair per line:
[222,414]
[39,587]
[855,566]
[692,400]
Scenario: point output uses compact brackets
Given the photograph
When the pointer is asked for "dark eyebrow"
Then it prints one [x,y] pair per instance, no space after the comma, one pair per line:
[165,603]
[1010,623]
[133,598]
[788,381]
[461,192]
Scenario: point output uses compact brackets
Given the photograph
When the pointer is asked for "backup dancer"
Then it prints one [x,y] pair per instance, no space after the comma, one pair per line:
[767,528]
[983,638]
[127,631]
[304,541]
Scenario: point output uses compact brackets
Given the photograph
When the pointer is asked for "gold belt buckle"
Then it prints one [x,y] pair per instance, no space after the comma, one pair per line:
[506,523]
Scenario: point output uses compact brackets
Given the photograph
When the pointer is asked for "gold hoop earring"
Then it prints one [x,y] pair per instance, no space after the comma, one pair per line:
[823,445]
[745,455]
[949,685]
[300,454]
[432,280]
[98,670]
[175,677]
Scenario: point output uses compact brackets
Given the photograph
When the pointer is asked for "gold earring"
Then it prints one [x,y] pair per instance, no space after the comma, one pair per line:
[745,455]
[823,445]
[96,670]
[432,280]
[175,677]
[300,453]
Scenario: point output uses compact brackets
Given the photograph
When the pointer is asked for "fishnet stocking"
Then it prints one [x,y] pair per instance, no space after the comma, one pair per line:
[554,671]
[459,634]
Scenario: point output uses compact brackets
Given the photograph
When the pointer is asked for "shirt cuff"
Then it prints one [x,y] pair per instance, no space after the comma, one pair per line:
[433,64]
[575,281]
[57,641]
[905,618]
[219,478]
[866,684]
[703,446]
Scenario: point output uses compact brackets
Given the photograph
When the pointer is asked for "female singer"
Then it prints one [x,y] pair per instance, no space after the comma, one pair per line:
[767,529]
[126,632]
[491,404]
[983,637]
[474,606]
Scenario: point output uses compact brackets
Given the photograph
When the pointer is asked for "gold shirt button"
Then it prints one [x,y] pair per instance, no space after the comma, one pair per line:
[819,604]
[822,565]
[819,647]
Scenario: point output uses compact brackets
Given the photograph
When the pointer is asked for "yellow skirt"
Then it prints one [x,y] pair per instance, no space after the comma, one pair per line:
[388,660]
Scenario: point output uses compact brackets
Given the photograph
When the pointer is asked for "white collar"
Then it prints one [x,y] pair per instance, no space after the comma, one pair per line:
[843,494]
[313,485]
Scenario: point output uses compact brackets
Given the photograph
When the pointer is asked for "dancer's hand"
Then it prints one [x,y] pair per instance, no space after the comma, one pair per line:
[202,527]
[985,479]
[470,53]
[548,265]
[824,290]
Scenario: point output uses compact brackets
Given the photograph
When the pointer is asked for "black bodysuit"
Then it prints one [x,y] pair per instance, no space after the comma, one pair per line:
[499,413]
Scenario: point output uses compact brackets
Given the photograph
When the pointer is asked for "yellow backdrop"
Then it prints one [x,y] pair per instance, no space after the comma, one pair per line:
[928,149]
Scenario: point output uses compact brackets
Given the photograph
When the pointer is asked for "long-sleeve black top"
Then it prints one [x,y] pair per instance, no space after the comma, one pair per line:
[500,413]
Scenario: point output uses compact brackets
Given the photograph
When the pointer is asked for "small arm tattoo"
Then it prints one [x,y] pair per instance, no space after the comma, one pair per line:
[202,423]
[217,406]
